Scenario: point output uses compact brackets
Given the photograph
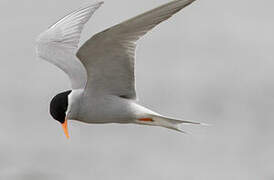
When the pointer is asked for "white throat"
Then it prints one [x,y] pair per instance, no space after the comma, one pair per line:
[74,99]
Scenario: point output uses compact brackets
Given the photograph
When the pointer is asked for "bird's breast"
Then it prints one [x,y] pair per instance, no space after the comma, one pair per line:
[106,109]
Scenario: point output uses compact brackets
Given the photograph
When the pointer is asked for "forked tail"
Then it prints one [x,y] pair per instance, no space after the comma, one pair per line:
[170,123]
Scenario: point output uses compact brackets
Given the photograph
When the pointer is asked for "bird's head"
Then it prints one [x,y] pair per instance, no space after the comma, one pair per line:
[58,109]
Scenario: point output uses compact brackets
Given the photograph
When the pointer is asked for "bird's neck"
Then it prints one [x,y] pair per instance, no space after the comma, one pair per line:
[74,104]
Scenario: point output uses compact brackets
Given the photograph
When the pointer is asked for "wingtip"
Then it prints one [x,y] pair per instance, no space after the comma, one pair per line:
[99,3]
[96,4]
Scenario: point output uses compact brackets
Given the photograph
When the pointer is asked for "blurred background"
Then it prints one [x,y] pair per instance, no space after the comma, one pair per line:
[212,62]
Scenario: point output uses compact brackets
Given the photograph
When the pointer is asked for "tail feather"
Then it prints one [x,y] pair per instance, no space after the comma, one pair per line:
[171,123]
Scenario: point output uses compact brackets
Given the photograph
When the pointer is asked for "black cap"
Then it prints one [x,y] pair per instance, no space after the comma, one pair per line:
[59,106]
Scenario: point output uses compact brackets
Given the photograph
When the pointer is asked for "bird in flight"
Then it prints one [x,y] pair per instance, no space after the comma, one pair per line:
[101,72]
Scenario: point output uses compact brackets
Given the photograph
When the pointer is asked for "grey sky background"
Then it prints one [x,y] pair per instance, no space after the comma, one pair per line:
[211,62]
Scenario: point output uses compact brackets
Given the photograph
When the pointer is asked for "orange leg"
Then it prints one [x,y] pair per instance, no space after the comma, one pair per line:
[146,119]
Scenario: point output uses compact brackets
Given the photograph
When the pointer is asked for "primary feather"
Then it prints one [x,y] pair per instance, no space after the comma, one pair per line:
[109,55]
[59,44]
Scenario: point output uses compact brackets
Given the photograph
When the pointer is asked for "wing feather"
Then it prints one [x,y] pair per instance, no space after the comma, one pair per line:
[109,55]
[59,43]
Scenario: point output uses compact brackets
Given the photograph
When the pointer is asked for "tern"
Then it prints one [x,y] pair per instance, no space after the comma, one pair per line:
[101,72]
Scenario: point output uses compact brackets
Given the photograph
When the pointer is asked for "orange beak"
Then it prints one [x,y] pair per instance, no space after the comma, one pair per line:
[65,128]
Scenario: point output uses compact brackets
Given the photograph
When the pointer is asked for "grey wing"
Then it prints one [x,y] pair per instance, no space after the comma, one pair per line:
[109,55]
[59,43]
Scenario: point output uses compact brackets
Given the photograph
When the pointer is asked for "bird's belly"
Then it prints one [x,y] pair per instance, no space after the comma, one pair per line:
[107,110]
[104,116]
[103,120]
